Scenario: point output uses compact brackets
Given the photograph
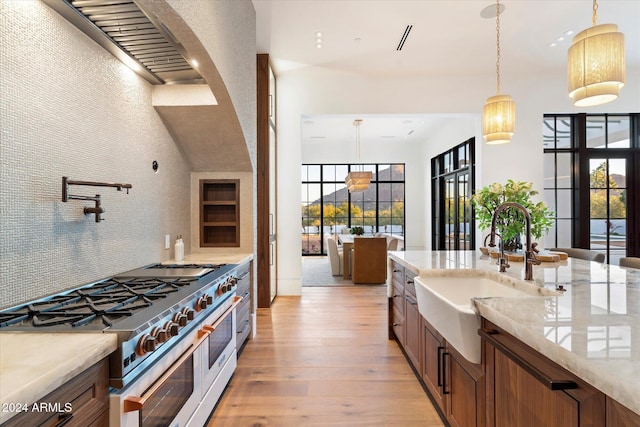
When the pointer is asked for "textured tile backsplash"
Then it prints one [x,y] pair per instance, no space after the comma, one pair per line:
[69,108]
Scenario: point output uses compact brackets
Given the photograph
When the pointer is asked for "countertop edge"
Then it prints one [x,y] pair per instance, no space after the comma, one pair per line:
[28,384]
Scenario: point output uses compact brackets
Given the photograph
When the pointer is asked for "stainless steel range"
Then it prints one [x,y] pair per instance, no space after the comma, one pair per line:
[171,320]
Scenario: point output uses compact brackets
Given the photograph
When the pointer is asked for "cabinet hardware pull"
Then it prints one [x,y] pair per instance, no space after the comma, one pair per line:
[444,373]
[409,282]
[440,349]
[410,300]
[493,338]
[63,418]
[396,324]
[396,271]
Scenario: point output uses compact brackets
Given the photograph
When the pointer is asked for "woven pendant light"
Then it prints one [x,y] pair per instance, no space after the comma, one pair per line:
[499,113]
[596,64]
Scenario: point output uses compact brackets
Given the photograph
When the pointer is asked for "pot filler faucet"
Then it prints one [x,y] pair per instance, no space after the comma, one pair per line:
[530,250]
[97,209]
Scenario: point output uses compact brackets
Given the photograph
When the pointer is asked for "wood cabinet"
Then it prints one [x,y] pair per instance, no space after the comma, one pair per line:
[432,350]
[524,388]
[219,212]
[620,416]
[396,305]
[266,184]
[243,311]
[81,402]
[456,386]
[464,390]
[413,324]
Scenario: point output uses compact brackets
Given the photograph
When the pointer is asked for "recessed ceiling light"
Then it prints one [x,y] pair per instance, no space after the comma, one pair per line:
[194,63]
[318,34]
[490,11]
[319,45]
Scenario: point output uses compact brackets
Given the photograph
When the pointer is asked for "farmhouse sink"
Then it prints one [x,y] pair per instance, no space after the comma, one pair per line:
[445,302]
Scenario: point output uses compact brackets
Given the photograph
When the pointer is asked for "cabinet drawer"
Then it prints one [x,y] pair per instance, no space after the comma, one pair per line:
[398,325]
[398,272]
[86,398]
[398,299]
[409,285]
[242,330]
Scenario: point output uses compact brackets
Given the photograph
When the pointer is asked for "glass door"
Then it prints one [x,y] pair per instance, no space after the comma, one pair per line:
[608,196]
[457,206]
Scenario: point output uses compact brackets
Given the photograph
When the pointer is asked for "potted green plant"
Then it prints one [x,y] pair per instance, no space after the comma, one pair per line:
[511,222]
[357,230]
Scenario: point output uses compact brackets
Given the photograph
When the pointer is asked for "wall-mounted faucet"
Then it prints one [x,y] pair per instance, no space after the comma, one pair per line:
[530,250]
[97,209]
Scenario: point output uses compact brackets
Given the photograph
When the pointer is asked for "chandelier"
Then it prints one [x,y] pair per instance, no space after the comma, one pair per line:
[499,113]
[596,65]
[358,181]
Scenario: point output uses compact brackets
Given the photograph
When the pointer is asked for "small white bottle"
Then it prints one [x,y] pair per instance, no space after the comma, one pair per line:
[179,249]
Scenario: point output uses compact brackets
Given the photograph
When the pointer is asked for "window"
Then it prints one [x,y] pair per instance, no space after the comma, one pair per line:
[452,174]
[592,182]
[328,208]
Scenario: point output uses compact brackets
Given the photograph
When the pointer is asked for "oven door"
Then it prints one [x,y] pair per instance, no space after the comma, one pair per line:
[218,361]
[173,398]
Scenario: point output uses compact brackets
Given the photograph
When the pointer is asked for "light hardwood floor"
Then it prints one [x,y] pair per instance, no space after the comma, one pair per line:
[324,359]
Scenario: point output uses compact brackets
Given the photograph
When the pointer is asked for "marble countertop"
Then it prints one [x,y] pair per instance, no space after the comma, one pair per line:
[205,257]
[592,329]
[32,368]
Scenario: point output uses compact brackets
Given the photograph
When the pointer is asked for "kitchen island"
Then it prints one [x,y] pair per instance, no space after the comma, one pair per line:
[591,330]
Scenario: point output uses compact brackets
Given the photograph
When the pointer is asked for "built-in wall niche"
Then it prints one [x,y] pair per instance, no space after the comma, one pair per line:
[219,212]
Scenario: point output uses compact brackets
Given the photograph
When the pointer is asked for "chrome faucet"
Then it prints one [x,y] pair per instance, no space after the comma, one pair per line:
[530,250]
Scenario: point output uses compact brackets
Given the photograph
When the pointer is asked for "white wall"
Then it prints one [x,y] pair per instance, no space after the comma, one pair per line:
[315,90]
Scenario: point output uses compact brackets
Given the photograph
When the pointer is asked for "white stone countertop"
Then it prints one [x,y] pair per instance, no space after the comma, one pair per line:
[592,329]
[32,368]
[205,257]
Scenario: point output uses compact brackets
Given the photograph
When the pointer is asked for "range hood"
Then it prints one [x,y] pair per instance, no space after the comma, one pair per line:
[133,36]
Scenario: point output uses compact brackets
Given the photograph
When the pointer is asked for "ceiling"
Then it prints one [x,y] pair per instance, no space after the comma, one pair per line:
[362,37]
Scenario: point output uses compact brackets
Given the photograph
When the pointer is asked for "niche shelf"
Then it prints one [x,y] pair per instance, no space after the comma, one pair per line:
[219,213]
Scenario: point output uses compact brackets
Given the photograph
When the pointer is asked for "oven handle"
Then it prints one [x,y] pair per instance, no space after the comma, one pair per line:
[210,328]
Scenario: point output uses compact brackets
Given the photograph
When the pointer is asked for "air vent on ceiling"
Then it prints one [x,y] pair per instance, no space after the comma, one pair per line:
[131,35]
[404,37]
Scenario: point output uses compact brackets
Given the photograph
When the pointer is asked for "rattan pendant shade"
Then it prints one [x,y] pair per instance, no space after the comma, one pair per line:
[358,181]
[596,65]
[499,113]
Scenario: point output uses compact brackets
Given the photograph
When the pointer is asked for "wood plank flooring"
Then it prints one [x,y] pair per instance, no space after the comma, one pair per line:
[324,359]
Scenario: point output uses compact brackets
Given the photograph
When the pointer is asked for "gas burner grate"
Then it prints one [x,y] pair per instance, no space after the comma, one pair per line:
[100,304]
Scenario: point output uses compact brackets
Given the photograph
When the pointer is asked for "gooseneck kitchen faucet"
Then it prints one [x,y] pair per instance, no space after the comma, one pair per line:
[97,209]
[530,250]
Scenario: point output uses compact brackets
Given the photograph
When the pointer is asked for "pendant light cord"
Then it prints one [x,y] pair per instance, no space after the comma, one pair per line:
[498,43]
[595,13]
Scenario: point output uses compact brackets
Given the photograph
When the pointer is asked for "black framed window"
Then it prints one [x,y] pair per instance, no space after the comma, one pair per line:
[452,184]
[328,208]
[592,182]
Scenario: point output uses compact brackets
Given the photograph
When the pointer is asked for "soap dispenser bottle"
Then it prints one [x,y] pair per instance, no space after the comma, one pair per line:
[179,249]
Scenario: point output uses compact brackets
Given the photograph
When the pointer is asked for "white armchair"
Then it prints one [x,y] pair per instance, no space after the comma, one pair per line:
[335,256]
